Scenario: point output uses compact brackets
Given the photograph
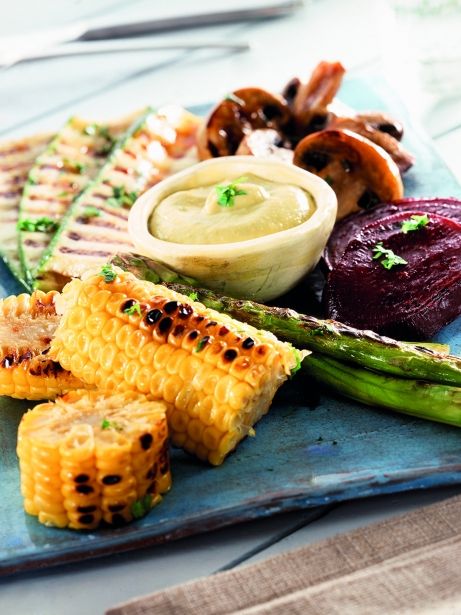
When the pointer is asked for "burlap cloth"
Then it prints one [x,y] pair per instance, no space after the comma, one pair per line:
[407,564]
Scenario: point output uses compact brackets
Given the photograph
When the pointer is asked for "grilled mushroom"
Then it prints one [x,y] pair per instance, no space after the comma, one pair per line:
[311,100]
[265,143]
[383,122]
[238,115]
[361,173]
[402,158]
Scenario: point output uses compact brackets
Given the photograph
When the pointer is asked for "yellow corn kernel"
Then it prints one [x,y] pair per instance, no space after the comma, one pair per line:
[93,456]
[27,324]
[216,375]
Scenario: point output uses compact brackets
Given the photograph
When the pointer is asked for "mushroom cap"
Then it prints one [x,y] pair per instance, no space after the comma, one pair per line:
[361,173]
[237,115]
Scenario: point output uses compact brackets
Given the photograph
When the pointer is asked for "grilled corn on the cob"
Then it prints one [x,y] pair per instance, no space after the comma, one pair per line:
[93,456]
[217,376]
[27,324]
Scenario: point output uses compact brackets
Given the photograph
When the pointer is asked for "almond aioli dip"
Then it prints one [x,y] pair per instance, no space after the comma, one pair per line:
[233,210]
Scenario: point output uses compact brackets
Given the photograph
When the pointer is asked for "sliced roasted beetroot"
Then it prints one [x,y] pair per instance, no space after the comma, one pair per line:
[347,229]
[408,301]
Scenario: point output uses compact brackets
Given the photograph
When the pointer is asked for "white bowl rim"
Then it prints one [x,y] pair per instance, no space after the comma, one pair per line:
[138,221]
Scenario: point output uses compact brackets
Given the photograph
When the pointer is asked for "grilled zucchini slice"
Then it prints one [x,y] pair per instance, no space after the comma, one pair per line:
[95,226]
[16,160]
[61,172]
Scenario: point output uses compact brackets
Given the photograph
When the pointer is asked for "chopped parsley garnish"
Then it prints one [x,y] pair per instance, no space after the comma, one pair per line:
[133,309]
[41,225]
[121,198]
[298,358]
[141,507]
[415,222]
[97,129]
[226,194]
[390,258]
[234,98]
[31,181]
[193,296]
[108,273]
[91,212]
[106,424]
[202,343]
[63,194]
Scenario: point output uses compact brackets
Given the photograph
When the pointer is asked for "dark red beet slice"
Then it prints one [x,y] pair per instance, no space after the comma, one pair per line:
[347,229]
[409,302]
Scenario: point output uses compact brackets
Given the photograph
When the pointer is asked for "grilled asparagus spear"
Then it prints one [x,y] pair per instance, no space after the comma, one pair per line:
[324,337]
[427,400]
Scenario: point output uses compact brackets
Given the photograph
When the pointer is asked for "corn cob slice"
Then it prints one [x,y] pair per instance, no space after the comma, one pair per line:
[27,324]
[16,160]
[93,456]
[60,173]
[155,146]
[217,376]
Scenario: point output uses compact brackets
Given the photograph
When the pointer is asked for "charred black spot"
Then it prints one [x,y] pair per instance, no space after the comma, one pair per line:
[223,331]
[230,355]
[347,165]
[152,316]
[390,129]
[146,441]
[25,356]
[116,507]
[152,472]
[199,318]
[74,236]
[170,307]
[111,479]
[126,305]
[152,487]
[82,478]
[368,199]
[185,311]
[8,361]
[291,89]
[316,159]
[271,112]
[165,325]
[212,323]
[118,520]
[317,122]
[178,330]
[193,335]
[261,350]
[86,509]
[214,151]
[86,519]
[85,489]
[248,343]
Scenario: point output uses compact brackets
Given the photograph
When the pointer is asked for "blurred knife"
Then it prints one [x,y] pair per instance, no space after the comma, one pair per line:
[156,26]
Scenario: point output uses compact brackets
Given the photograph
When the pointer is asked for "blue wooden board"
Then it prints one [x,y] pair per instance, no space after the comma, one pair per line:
[307,451]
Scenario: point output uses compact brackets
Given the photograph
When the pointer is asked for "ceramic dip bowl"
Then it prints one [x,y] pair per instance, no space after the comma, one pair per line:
[259,269]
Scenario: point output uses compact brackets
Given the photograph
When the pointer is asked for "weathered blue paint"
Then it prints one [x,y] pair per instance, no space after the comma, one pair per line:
[306,452]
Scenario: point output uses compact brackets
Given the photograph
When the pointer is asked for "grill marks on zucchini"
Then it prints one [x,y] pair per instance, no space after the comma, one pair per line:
[145,156]
[59,174]
[16,160]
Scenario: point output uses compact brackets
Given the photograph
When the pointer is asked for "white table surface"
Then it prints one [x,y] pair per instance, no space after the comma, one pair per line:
[40,96]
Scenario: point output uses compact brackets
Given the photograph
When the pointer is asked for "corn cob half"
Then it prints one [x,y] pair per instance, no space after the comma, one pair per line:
[27,324]
[93,456]
[217,376]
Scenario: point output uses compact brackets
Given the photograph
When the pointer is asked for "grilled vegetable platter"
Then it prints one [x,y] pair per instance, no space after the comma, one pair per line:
[125,354]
